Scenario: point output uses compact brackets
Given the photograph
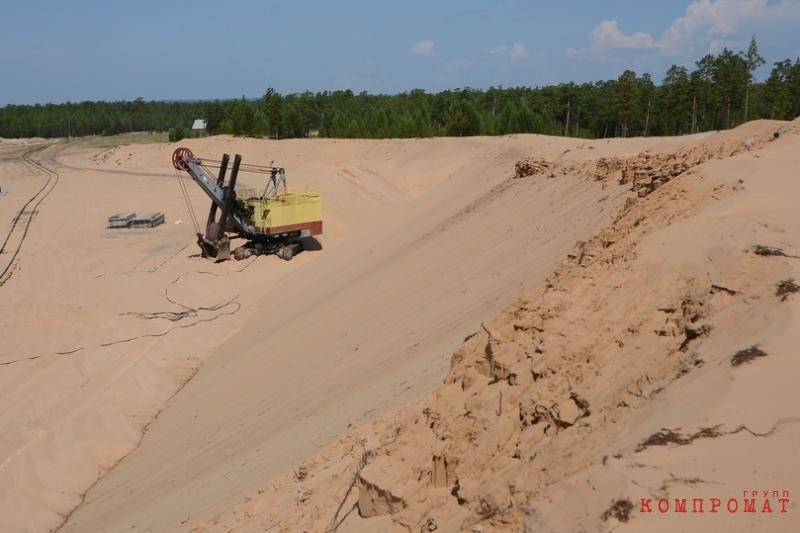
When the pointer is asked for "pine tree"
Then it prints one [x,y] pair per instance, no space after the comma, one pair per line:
[676,101]
[273,104]
[463,119]
[625,101]
[730,77]
[702,79]
[753,60]
[215,115]
[242,118]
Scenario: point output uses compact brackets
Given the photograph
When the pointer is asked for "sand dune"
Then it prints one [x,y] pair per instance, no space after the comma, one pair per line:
[425,241]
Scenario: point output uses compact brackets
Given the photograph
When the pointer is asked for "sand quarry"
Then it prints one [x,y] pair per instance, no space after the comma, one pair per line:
[519,333]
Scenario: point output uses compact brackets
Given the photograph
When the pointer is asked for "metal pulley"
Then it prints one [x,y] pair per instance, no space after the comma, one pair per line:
[178,157]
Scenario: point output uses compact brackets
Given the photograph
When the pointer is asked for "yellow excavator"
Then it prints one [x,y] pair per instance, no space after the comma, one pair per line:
[275,221]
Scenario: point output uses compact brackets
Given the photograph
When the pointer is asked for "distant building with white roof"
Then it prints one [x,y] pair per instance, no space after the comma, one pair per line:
[199,125]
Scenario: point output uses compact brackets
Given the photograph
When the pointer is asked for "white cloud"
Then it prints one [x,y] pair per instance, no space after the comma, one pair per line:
[423,48]
[607,35]
[518,52]
[705,26]
[717,22]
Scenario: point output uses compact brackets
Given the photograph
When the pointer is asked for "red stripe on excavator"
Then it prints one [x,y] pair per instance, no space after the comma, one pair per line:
[314,227]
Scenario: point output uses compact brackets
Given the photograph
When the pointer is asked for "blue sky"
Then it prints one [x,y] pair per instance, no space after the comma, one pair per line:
[101,50]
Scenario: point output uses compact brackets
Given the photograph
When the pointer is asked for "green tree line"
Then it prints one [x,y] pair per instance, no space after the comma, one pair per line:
[718,93]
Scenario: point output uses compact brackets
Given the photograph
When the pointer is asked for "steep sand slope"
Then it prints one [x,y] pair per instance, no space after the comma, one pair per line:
[366,327]
[658,361]
[81,374]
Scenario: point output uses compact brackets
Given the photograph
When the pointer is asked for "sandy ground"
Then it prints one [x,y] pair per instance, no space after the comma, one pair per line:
[258,401]
[629,375]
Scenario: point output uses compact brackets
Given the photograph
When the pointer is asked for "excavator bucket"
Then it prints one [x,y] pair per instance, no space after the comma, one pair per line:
[223,249]
[219,250]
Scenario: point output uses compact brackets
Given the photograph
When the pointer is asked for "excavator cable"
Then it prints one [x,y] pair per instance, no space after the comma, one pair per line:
[243,167]
[188,201]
